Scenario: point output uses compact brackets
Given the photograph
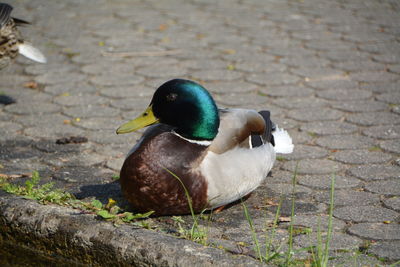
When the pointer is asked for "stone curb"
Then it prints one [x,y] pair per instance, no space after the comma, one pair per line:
[83,239]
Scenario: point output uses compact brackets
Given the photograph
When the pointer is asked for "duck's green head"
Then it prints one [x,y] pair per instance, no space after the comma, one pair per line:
[183,104]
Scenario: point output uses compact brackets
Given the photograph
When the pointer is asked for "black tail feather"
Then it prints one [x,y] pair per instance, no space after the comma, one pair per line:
[267,137]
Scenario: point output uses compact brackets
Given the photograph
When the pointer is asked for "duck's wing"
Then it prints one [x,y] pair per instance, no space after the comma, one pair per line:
[236,126]
[5,11]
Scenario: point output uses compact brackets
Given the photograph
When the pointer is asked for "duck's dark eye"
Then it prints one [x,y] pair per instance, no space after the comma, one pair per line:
[145,114]
[171,97]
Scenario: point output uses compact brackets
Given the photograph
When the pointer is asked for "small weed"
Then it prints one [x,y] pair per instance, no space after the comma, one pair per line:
[281,158]
[321,256]
[115,177]
[196,233]
[42,193]
[374,148]
[312,134]
[301,231]
[45,194]
[290,252]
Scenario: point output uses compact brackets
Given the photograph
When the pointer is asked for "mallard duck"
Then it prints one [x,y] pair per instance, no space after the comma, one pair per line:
[219,155]
[11,42]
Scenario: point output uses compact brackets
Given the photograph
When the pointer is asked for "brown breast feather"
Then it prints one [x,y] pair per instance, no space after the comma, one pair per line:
[147,184]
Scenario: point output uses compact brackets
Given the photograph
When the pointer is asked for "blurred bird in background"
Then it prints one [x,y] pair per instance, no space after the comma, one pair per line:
[11,41]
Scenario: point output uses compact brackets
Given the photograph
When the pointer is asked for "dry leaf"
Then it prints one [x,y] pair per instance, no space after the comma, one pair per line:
[284,219]
[32,85]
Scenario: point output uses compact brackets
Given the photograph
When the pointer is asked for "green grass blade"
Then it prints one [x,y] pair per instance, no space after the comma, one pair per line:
[257,248]
[290,249]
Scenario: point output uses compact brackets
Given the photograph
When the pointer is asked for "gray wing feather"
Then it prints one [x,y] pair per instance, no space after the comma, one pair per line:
[5,11]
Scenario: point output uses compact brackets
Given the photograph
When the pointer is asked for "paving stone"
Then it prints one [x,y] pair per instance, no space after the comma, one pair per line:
[216,75]
[393,203]
[386,249]
[287,189]
[38,69]
[379,47]
[361,157]
[300,102]
[394,68]
[360,106]
[23,108]
[365,214]
[304,152]
[162,71]
[12,81]
[385,87]
[324,181]
[326,45]
[373,118]
[387,58]
[396,109]
[358,66]
[135,103]
[391,146]
[90,111]
[369,37]
[343,94]
[237,99]
[375,172]
[354,259]
[338,241]
[374,76]
[259,66]
[109,137]
[80,100]
[204,64]
[302,61]
[340,55]
[336,83]
[345,142]
[70,88]
[230,87]
[128,91]
[242,54]
[26,96]
[56,131]
[272,79]
[115,164]
[56,78]
[315,114]
[317,73]
[81,160]
[313,166]
[392,98]
[383,132]
[105,68]
[384,187]
[278,176]
[376,231]
[41,121]
[320,221]
[299,137]
[109,124]
[116,79]
[348,198]
[288,91]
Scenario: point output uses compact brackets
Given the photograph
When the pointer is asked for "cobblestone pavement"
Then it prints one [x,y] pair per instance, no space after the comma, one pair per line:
[329,72]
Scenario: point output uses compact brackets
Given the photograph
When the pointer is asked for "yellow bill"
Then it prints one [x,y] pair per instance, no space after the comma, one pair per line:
[147,118]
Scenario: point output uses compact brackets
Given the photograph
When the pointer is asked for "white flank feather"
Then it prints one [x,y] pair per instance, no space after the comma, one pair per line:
[283,141]
[31,52]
